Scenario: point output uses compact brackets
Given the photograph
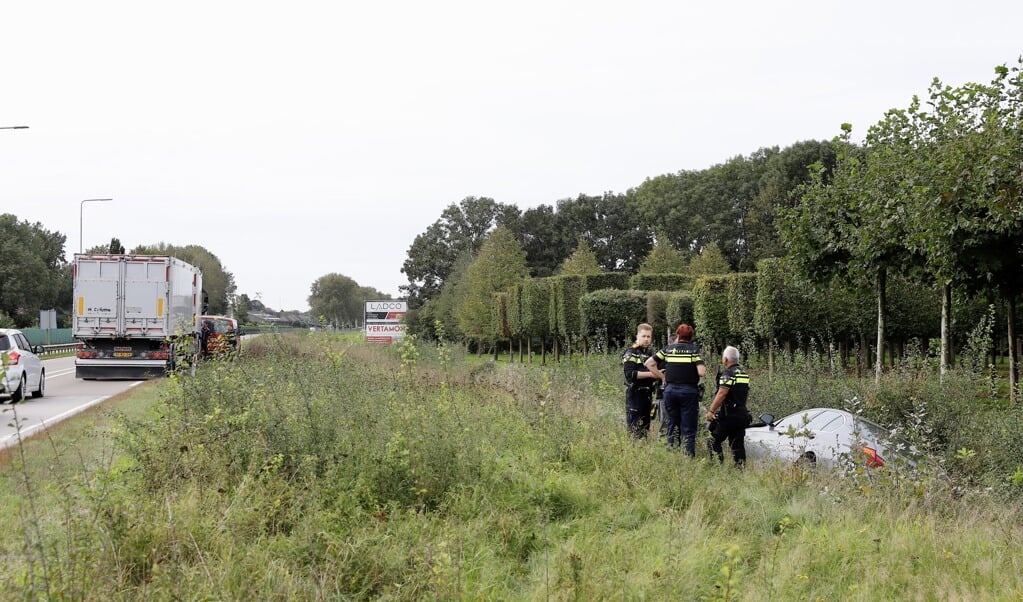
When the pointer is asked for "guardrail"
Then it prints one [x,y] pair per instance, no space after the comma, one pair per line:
[60,348]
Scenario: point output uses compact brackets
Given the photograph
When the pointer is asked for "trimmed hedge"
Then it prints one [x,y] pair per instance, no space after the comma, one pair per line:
[656,313]
[499,316]
[567,290]
[612,280]
[680,309]
[612,311]
[534,304]
[710,308]
[661,282]
[514,312]
[742,303]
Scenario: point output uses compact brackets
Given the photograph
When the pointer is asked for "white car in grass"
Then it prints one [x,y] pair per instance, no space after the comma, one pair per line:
[22,367]
[825,436]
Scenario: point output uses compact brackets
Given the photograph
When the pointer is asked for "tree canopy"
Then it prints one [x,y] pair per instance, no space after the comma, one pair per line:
[500,264]
[664,258]
[33,271]
[339,300]
[462,228]
[582,262]
[216,281]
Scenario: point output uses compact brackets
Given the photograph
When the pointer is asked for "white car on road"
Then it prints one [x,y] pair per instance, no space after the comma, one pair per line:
[23,369]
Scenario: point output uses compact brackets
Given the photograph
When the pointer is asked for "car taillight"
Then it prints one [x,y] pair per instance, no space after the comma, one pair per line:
[13,357]
[874,460]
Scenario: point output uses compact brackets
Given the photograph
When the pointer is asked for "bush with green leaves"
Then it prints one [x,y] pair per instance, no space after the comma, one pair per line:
[661,282]
[710,311]
[607,280]
[614,312]
[679,309]
[566,292]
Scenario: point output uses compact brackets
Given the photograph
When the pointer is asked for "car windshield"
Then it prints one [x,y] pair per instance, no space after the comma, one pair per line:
[5,343]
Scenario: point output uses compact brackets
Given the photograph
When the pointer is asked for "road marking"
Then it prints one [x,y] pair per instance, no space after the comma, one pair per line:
[27,431]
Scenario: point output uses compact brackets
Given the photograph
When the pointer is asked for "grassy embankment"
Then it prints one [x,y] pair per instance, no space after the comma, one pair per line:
[319,469]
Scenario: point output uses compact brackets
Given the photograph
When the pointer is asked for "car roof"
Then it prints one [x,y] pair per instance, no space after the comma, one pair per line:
[814,411]
[9,330]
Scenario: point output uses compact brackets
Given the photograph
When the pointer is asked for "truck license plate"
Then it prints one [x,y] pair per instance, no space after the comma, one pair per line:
[122,354]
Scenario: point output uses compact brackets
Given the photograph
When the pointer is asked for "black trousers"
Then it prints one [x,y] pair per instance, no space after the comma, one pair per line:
[638,403]
[682,406]
[732,428]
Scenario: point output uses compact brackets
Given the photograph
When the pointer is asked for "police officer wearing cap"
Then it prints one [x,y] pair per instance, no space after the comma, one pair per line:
[728,415]
[684,367]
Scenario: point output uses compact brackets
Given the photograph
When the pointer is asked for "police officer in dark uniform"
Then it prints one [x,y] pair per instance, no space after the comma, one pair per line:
[684,367]
[639,382]
[728,415]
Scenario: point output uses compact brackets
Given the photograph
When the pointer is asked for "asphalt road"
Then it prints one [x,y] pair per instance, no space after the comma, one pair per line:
[65,396]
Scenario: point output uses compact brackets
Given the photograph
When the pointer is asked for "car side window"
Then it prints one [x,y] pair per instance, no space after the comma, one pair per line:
[22,342]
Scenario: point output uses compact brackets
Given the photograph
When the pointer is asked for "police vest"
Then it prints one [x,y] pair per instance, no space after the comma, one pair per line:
[633,361]
[737,381]
[681,361]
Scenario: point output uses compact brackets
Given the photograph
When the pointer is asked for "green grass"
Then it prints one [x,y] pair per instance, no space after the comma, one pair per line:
[316,468]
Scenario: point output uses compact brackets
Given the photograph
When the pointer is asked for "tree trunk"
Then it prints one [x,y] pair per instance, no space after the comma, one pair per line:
[529,349]
[882,277]
[946,331]
[1013,358]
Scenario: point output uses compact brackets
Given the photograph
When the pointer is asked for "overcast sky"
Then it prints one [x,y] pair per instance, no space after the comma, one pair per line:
[296,139]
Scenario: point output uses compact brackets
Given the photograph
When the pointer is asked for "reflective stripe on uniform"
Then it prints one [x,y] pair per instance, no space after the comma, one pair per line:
[738,379]
[683,359]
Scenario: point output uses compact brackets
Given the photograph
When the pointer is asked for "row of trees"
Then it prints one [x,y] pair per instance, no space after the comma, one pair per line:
[934,194]
[733,206]
[931,198]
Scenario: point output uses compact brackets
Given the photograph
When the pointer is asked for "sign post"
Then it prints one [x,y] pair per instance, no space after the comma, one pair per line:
[385,320]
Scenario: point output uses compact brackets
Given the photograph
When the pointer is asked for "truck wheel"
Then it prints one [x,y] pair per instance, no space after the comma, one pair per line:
[19,393]
[42,385]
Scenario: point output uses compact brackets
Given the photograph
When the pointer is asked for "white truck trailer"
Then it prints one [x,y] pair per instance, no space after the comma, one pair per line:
[137,316]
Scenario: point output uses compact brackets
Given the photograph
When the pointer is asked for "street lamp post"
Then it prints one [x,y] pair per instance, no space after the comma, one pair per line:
[81,207]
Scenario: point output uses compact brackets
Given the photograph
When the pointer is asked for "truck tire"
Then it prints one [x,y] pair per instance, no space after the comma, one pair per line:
[42,386]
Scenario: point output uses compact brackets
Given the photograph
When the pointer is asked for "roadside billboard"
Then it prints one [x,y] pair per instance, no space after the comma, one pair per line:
[385,320]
